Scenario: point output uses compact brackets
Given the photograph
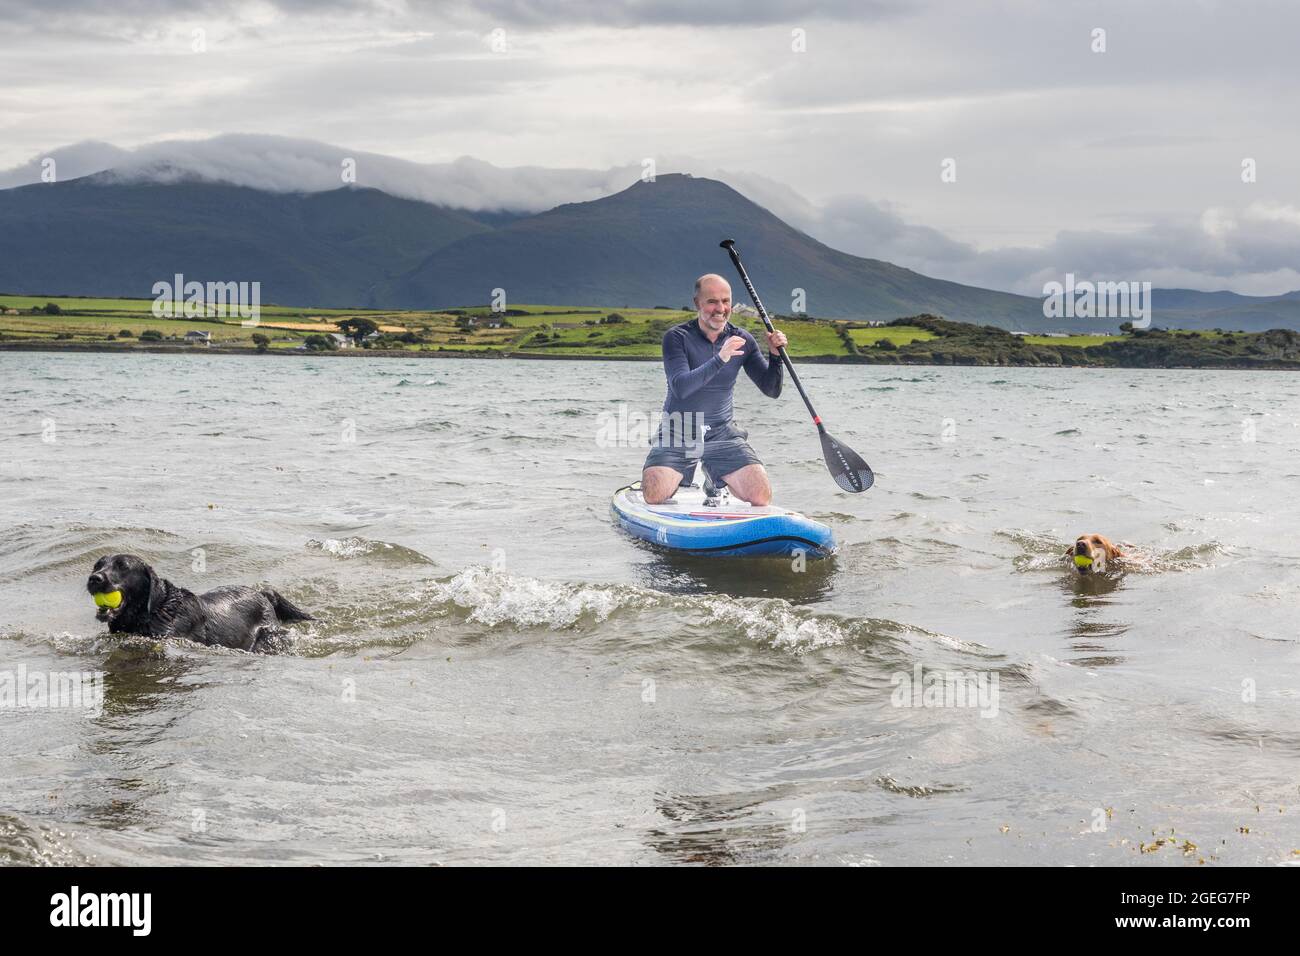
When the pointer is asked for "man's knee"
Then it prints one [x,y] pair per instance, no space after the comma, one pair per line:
[658,484]
[653,495]
[751,484]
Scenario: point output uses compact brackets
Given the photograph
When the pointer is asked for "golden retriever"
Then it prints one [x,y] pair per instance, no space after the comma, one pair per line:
[1091,552]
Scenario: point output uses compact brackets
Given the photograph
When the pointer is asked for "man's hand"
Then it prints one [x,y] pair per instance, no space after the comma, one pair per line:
[775,341]
[733,346]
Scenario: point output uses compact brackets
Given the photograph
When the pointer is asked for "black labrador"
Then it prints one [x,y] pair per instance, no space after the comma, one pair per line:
[239,617]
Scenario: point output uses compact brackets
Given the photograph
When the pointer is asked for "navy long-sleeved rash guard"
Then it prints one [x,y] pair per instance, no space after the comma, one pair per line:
[700,382]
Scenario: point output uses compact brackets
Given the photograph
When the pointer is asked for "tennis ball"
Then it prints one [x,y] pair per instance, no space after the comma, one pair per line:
[1082,560]
[111,599]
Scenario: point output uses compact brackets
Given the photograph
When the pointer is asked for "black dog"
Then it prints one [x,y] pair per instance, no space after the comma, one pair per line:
[238,617]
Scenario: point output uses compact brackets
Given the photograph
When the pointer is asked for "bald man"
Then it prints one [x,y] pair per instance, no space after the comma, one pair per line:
[702,359]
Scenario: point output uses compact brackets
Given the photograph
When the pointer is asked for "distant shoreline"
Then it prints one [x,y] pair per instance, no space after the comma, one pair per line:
[1273,365]
[322,353]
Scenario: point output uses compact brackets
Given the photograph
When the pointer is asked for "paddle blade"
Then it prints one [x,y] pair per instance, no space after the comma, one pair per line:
[846,466]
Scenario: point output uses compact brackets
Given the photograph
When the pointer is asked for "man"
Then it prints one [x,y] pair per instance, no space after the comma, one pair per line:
[702,359]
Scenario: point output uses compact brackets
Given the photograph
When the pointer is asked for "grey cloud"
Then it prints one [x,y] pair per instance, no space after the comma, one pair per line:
[44,12]
[281,164]
[1253,254]
[529,14]
[960,52]
[70,162]
[630,13]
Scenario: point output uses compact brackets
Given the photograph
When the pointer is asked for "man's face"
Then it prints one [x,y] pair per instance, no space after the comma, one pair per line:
[714,305]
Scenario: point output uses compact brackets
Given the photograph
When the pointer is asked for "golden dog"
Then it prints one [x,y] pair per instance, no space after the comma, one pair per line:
[1091,552]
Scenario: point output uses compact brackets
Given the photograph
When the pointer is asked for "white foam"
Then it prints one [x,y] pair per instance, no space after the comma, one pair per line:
[348,547]
[495,597]
[775,622]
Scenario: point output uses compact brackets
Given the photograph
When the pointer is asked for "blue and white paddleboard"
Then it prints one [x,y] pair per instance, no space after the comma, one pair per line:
[685,523]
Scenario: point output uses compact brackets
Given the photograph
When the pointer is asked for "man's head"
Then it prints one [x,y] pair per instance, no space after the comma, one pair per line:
[713,302]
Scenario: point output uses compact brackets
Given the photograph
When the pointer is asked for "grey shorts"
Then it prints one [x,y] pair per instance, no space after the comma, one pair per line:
[722,450]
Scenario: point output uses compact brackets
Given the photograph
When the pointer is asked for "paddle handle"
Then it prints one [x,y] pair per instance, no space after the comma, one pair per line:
[730,246]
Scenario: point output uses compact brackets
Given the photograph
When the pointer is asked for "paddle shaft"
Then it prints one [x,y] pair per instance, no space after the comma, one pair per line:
[762,313]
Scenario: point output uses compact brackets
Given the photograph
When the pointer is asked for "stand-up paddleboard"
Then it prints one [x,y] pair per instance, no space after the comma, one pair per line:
[726,526]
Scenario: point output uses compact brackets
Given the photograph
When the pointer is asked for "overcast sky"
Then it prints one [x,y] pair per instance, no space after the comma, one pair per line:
[1123,164]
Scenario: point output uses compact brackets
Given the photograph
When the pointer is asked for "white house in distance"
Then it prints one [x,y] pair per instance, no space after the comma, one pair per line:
[196,337]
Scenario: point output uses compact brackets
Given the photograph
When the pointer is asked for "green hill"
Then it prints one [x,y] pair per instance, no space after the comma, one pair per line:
[94,236]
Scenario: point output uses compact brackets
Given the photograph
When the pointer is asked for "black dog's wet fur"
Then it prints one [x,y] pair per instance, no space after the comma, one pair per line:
[238,617]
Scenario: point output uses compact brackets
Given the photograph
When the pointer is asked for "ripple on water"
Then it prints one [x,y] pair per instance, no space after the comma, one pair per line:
[30,844]
[919,791]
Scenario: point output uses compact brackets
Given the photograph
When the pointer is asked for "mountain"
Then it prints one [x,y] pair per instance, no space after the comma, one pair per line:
[645,246]
[99,236]
[109,235]
[1189,309]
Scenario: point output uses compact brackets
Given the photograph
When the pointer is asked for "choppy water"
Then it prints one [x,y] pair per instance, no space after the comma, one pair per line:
[500,676]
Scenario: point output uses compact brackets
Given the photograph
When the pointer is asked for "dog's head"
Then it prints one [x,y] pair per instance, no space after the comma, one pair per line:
[124,586]
[1091,552]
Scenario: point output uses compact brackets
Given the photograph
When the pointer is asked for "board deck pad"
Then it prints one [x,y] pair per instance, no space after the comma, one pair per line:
[685,523]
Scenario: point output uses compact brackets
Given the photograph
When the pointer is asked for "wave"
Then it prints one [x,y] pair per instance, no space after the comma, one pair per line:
[33,549]
[354,547]
[1191,558]
[497,599]
[493,598]
[836,516]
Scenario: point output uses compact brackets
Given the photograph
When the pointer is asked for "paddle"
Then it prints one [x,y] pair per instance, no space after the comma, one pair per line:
[846,466]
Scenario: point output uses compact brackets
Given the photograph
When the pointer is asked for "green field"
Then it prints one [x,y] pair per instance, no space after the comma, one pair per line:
[91,320]
[96,320]
[552,330]
[635,333]
[145,306]
[899,335]
[1079,341]
[1087,341]
[99,327]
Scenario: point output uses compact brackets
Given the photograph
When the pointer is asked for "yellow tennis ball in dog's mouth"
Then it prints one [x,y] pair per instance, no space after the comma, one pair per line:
[112,599]
[1082,561]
